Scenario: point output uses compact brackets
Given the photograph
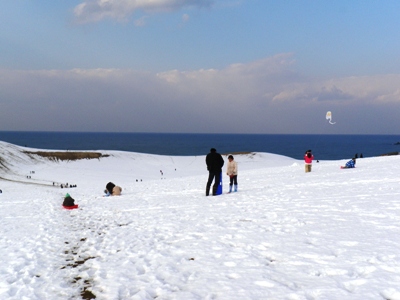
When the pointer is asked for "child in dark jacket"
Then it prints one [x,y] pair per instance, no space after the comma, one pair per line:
[68,201]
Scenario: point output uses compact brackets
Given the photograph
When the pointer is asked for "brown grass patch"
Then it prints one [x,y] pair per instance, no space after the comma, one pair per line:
[237,153]
[67,155]
[390,153]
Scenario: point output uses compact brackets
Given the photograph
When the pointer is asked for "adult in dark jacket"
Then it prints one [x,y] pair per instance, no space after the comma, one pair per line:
[214,162]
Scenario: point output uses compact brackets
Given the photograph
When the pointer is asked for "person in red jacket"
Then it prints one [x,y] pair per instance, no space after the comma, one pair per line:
[308,158]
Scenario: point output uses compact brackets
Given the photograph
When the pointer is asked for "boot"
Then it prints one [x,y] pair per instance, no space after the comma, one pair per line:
[208,190]
[230,189]
[215,187]
[236,187]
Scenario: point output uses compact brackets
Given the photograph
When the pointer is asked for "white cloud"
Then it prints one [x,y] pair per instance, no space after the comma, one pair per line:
[373,89]
[185,18]
[141,21]
[392,96]
[265,96]
[97,10]
[332,93]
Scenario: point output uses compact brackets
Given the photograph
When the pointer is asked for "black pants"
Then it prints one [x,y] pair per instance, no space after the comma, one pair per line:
[213,175]
[233,180]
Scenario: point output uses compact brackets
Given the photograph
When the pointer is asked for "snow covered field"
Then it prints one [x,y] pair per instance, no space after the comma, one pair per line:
[328,234]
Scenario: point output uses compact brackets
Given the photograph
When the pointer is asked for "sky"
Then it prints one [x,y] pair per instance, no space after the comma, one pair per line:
[200,66]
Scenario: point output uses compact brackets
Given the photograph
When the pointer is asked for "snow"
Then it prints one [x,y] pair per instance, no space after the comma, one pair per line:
[286,234]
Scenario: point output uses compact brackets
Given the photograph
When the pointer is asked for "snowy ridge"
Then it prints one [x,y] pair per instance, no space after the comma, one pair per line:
[328,234]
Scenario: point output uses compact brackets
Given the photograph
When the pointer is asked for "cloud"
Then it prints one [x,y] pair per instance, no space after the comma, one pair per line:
[332,93]
[264,96]
[238,83]
[98,10]
[141,21]
[185,18]
[373,89]
[393,96]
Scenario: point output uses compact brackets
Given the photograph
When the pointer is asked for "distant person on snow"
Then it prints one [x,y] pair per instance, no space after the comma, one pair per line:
[308,158]
[232,172]
[214,162]
[68,201]
[112,190]
[350,164]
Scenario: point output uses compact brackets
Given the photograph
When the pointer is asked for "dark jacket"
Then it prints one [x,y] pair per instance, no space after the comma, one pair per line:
[109,187]
[68,201]
[214,162]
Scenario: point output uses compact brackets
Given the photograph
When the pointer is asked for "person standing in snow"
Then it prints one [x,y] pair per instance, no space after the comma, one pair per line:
[232,172]
[350,164]
[214,162]
[308,158]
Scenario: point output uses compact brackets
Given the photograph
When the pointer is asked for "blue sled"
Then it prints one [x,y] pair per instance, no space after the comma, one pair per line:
[219,189]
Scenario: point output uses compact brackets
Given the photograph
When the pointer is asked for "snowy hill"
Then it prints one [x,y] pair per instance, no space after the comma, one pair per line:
[328,234]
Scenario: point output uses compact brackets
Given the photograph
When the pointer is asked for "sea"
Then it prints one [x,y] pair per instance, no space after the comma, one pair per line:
[324,147]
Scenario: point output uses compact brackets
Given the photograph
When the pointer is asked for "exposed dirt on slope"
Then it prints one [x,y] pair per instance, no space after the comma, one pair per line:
[68,155]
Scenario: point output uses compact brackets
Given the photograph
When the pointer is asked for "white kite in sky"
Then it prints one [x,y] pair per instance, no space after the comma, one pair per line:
[329,117]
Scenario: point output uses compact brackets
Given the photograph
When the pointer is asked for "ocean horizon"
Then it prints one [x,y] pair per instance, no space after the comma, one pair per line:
[324,147]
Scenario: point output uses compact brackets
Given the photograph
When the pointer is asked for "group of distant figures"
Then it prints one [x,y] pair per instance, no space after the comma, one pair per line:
[62,185]
[66,185]
[162,174]
[308,158]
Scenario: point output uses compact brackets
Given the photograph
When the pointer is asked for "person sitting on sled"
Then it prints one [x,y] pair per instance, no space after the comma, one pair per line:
[112,190]
[350,164]
[68,201]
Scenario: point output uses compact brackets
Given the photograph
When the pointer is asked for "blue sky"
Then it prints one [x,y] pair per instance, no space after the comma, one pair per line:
[230,66]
